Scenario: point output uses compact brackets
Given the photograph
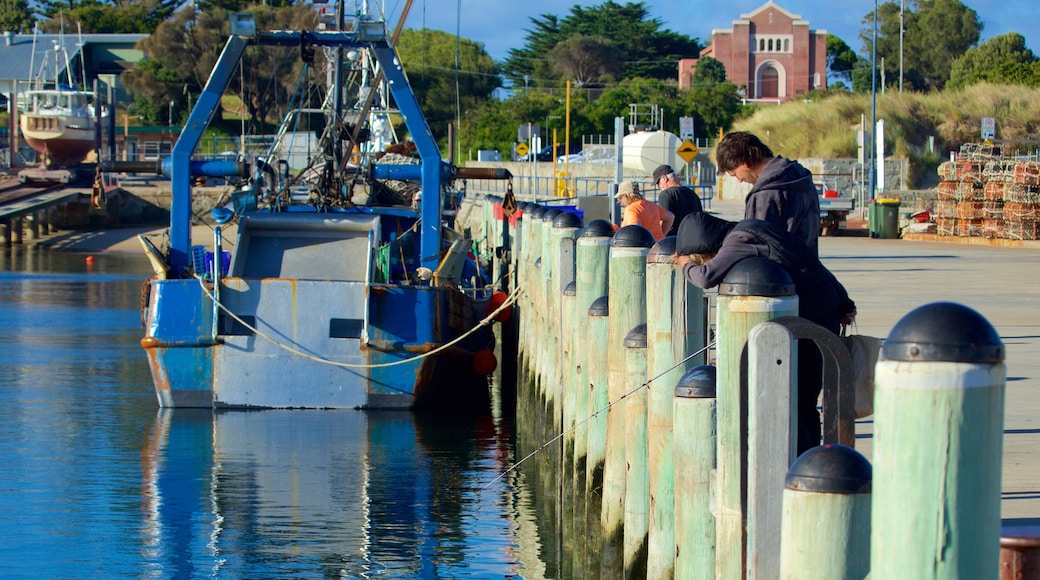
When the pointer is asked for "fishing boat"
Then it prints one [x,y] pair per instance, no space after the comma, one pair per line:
[59,124]
[344,286]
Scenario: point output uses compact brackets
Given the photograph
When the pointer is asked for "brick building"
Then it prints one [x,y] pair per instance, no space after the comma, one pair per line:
[770,52]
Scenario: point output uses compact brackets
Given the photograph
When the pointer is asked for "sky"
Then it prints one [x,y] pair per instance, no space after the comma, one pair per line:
[500,24]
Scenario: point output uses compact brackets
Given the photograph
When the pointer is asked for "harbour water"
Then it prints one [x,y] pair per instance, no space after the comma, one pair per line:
[97,481]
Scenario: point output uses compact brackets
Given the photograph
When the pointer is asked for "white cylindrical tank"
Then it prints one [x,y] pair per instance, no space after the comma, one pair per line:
[644,151]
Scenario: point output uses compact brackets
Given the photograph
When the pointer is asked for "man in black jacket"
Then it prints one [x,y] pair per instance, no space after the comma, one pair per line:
[782,192]
[707,247]
[681,201]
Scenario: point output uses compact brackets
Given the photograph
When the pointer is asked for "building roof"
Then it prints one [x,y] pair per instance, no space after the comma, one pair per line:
[20,60]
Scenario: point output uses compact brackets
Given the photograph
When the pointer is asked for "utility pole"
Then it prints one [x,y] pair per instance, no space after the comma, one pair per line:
[900,46]
[873,105]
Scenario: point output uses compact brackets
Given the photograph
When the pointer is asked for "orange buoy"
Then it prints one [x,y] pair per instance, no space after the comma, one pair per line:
[90,259]
[484,362]
[497,300]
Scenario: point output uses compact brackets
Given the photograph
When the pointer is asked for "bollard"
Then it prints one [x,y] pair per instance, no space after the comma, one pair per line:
[755,290]
[938,428]
[628,250]
[675,329]
[637,480]
[825,532]
[599,324]
[694,452]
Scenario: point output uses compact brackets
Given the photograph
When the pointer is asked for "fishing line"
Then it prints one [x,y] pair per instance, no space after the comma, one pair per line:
[597,412]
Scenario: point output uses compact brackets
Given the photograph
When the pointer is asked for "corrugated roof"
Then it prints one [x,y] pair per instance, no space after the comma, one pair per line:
[19,61]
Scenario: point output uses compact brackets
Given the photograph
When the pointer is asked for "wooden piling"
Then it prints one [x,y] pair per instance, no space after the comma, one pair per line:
[675,330]
[694,451]
[599,324]
[938,445]
[628,250]
[637,480]
[755,290]
[826,516]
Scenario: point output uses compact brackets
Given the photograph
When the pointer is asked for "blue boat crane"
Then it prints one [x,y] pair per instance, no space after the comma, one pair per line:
[372,35]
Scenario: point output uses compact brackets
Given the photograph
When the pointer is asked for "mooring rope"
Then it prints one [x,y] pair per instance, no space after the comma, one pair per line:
[513,296]
[589,418]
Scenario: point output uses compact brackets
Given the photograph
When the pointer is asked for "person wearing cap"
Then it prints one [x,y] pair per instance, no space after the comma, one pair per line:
[782,191]
[706,247]
[676,198]
[642,211]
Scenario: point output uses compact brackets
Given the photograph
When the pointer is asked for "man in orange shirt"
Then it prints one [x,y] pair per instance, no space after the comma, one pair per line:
[641,211]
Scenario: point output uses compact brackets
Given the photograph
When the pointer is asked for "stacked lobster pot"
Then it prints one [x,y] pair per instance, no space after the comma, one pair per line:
[986,194]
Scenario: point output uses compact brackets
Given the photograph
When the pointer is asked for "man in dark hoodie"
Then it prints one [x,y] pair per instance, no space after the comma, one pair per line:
[707,247]
[782,191]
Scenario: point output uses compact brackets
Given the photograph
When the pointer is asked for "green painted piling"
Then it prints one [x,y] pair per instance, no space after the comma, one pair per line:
[627,291]
[549,338]
[755,290]
[826,516]
[694,452]
[675,329]
[591,261]
[573,503]
[599,324]
[938,429]
[637,480]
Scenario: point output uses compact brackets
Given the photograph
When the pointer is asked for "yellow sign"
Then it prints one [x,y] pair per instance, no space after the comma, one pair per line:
[521,149]
[688,150]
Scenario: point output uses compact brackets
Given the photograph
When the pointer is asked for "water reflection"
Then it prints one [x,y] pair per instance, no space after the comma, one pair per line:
[283,493]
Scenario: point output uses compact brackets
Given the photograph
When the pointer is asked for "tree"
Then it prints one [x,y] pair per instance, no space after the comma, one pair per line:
[935,34]
[645,50]
[16,16]
[1002,59]
[95,16]
[841,59]
[586,58]
[182,51]
[713,100]
[444,88]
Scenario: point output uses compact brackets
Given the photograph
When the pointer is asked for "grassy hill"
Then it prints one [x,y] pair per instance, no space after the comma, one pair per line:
[826,127]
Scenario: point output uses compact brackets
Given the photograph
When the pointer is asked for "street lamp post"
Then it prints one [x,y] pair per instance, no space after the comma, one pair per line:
[170,123]
[900,46]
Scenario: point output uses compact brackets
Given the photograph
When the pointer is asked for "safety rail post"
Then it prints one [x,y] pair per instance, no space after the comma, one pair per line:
[826,515]
[938,446]
[755,290]
[694,452]
[627,293]
[592,254]
[637,480]
[675,329]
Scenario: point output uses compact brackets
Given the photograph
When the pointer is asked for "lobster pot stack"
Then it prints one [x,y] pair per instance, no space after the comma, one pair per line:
[984,194]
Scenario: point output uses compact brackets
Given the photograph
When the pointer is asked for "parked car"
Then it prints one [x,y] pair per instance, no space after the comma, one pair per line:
[546,153]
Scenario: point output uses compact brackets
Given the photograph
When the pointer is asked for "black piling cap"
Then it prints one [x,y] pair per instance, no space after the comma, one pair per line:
[571,289]
[538,211]
[757,277]
[636,338]
[662,252]
[550,214]
[524,206]
[600,307]
[538,263]
[830,468]
[597,229]
[943,331]
[634,236]
[697,383]
[567,220]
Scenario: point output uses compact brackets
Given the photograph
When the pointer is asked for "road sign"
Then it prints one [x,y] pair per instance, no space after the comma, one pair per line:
[688,151]
[521,149]
[989,128]
[686,127]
